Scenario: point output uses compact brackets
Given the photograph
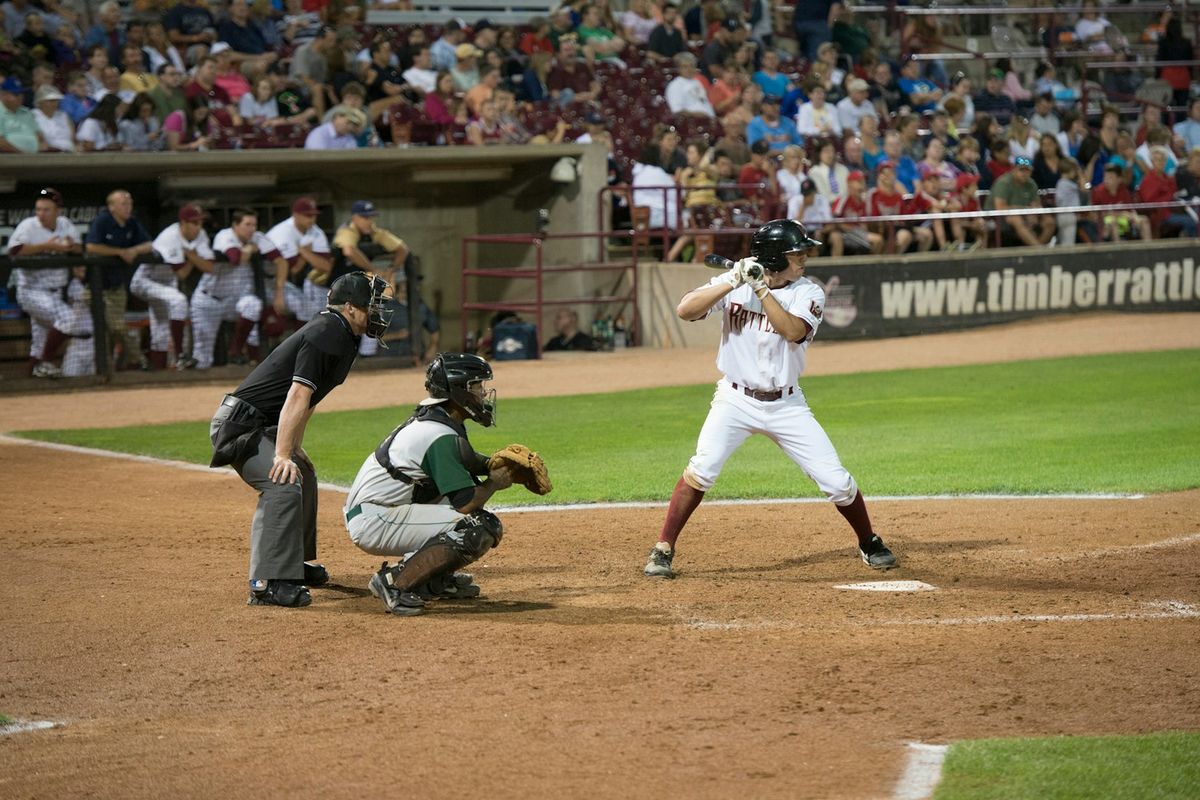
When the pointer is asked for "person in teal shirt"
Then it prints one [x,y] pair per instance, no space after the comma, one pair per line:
[18,127]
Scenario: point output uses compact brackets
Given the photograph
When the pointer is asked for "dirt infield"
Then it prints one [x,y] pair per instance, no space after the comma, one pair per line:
[749,675]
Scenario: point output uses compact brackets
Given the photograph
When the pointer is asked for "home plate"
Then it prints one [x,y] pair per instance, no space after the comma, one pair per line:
[887,586]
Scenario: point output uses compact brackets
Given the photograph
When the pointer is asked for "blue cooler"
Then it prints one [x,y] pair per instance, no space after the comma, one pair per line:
[514,341]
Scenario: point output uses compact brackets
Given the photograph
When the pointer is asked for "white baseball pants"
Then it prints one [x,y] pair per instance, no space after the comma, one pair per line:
[166,303]
[400,530]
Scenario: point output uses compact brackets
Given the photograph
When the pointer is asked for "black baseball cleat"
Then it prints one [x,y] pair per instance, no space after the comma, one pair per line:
[289,594]
[457,586]
[315,575]
[659,563]
[402,604]
[876,554]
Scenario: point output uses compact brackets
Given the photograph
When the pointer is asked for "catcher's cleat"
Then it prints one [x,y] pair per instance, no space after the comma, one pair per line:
[403,604]
[315,575]
[278,593]
[457,586]
[659,564]
[876,554]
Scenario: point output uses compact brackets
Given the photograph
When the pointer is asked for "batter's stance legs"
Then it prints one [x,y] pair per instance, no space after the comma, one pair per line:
[684,500]
[874,552]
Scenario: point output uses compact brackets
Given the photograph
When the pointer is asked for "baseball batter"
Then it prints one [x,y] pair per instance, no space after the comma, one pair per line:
[306,249]
[417,497]
[181,247]
[218,294]
[770,312]
[41,292]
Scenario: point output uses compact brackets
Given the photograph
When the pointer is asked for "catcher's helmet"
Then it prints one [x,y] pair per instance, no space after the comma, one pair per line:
[772,242]
[450,376]
[367,291]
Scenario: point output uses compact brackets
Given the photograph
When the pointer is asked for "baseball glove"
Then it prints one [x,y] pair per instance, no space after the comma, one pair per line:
[527,467]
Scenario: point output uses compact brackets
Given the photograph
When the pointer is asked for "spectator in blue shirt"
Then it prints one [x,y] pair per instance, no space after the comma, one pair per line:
[1189,129]
[108,31]
[444,57]
[906,168]
[779,132]
[922,95]
[77,102]
[244,38]
[773,82]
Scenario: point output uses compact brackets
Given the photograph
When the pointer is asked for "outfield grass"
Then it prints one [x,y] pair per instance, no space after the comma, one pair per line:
[1163,766]
[1113,423]
[5,719]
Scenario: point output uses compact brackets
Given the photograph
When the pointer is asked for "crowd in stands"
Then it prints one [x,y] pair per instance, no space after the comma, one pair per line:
[825,119]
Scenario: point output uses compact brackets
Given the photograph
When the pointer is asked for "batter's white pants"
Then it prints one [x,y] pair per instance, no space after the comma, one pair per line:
[788,422]
[400,530]
[207,314]
[46,309]
[250,307]
[166,303]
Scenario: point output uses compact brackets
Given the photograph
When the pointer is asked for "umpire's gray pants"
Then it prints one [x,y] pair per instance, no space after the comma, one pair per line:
[283,534]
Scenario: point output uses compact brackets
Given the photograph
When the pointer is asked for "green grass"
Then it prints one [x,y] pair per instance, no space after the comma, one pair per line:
[6,720]
[1114,423]
[1160,765]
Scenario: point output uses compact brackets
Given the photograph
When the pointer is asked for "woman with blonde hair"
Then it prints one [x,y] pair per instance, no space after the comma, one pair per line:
[790,174]
[1021,140]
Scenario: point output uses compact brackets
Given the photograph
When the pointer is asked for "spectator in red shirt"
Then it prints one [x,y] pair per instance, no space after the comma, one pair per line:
[204,85]
[760,170]
[538,39]
[998,162]
[966,200]
[887,200]
[1159,187]
[571,79]
[853,237]
[929,199]
[1114,192]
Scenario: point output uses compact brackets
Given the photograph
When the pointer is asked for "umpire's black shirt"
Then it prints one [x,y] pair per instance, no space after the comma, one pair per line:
[319,355]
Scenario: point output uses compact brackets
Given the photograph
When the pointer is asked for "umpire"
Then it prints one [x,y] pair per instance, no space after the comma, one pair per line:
[259,429]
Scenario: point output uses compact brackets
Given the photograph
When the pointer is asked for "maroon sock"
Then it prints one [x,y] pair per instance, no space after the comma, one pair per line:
[241,332]
[856,515]
[177,337]
[54,340]
[158,359]
[683,502]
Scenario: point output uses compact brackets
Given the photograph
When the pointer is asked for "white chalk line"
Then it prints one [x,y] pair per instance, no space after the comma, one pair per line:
[335,487]
[1100,552]
[23,727]
[922,772]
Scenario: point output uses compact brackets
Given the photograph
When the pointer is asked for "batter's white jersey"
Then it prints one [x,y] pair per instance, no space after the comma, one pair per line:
[30,231]
[752,353]
[288,239]
[230,279]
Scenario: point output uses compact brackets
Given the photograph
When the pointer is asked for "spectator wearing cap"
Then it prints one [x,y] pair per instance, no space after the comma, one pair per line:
[966,200]
[929,198]
[248,49]
[18,127]
[58,132]
[758,175]
[886,199]
[776,130]
[421,76]
[812,22]
[466,67]
[918,93]
[362,231]
[228,76]
[571,80]
[666,40]
[851,236]
[816,117]
[855,105]
[181,247]
[810,207]
[191,28]
[305,257]
[444,50]
[602,42]
[993,100]
[337,134]
[723,46]
[1016,190]
[687,93]
[310,66]
[595,130]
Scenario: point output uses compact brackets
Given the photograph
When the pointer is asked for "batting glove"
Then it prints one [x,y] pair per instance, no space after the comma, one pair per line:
[749,269]
[733,278]
[759,285]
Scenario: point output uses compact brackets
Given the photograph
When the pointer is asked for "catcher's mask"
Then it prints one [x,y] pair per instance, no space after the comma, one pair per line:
[772,242]
[367,291]
[459,378]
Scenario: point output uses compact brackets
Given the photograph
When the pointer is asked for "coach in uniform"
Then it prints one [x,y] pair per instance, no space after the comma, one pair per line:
[417,496]
[259,429]
[302,242]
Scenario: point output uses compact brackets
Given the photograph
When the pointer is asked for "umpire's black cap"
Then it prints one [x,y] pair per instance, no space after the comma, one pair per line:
[354,288]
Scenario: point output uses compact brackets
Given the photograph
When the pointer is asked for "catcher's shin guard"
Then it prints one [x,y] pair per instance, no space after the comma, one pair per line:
[473,536]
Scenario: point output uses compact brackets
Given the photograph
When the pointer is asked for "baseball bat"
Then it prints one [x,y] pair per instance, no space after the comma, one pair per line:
[721,262]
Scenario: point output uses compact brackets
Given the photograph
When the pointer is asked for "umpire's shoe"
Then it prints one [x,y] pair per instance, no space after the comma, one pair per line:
[659,564]
[315,575]
[404,604]
[875,554]
[290,594]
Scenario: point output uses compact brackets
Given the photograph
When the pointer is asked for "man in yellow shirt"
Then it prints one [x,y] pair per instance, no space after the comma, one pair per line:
[349,255]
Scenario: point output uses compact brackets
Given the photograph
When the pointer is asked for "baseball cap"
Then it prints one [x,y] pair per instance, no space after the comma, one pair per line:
[219,47]
[1022,161]
[1111,167]
[733,24]
[760,147]
[305,207]
[773,99]
[191,213]
[996,73]
[594,118]
[857,175]
[807,186]
[467,50]
[364,208]
[857,85]
[52,194]
[964,180]
[12,84]
[47,92]
[885,164]
[482,25]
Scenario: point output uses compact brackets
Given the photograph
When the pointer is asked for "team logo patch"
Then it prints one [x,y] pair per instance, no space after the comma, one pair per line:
[815,309]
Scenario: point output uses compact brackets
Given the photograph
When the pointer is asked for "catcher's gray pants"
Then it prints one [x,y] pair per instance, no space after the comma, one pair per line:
[398,530]
[283,534]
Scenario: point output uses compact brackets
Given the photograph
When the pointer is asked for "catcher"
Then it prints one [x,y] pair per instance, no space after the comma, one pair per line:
[419,498]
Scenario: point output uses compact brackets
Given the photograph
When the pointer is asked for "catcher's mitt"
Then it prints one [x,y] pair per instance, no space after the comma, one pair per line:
[527,467]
